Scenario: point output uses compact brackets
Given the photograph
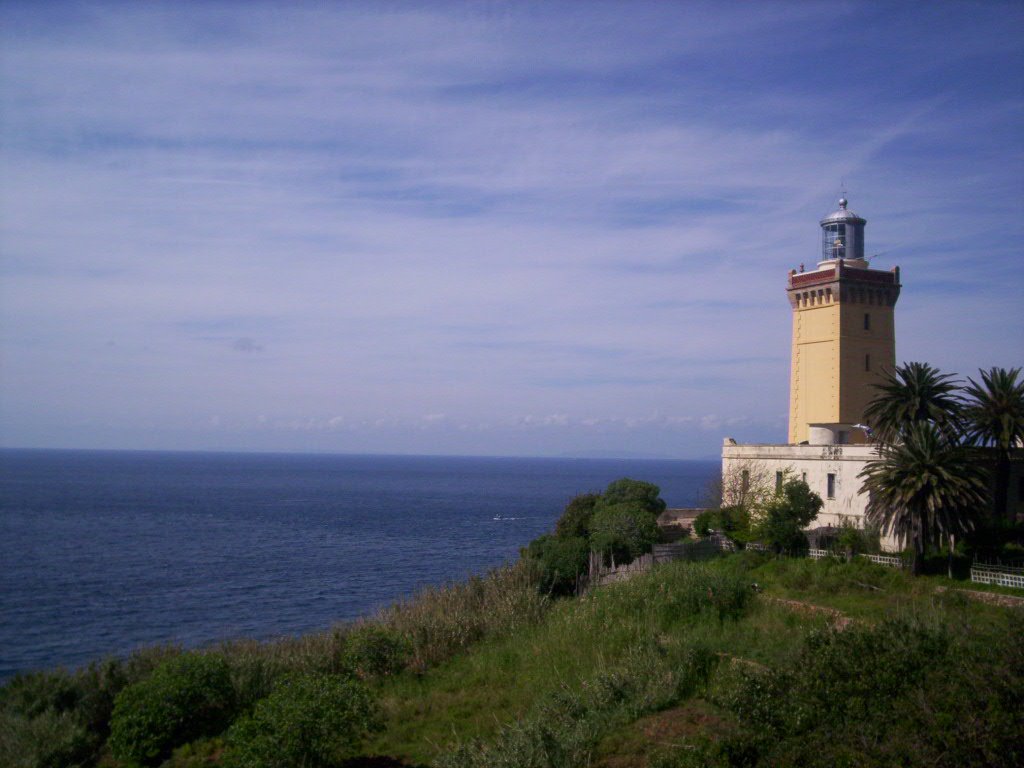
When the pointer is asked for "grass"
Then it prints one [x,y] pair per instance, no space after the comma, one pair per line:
[495,674]
[500,682]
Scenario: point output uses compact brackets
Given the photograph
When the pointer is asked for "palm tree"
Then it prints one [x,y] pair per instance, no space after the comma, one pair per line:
[924,489]
[994,415]
[916,392]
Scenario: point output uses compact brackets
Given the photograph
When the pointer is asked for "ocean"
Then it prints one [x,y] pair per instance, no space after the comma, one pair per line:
[104,551]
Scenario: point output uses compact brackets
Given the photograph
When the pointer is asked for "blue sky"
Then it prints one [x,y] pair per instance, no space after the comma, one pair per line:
[467,228]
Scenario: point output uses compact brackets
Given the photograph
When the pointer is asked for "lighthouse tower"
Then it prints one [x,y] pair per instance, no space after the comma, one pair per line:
[843,334]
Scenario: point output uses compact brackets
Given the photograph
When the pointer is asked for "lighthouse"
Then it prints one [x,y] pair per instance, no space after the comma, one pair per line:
[844,334]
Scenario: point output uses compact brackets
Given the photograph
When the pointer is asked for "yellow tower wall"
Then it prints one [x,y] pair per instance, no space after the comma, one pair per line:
[816,368]
[837,356]
[857,374]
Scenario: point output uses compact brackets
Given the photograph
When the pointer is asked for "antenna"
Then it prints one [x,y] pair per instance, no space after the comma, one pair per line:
[873,255]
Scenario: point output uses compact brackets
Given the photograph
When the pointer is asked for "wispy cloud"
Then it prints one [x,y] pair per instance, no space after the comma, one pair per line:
[481,212]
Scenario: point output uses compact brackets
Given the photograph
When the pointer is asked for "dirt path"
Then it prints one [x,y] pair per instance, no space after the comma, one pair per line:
[993,598]
[837,618]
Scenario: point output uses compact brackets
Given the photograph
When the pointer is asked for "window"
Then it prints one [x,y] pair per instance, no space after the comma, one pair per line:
[867,362]
[778,481]
[867,321]
[803,476]
[745,480]
[831,491]
[842,437]
[833,241]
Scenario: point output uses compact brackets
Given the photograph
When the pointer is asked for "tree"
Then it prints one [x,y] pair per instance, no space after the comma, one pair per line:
[744,484]
[624,531]
[575,520]
[994,415]
[916,393]
[732,522]
[560,561]
[924,489]
[780,521]
[313,721]
[626,490]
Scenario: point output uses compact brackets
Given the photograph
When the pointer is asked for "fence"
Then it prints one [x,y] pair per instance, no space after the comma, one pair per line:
[702,549]
[1002,575]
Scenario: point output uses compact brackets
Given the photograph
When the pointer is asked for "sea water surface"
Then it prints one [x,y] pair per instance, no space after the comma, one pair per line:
[103,551]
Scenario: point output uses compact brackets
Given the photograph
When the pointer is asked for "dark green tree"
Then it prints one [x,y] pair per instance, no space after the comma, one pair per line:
[994,416]
[575,520]
[623,531]
[733,522]
[915,393]
[559,562]
[626,490]
[314,721]
[782,518]
[924,489]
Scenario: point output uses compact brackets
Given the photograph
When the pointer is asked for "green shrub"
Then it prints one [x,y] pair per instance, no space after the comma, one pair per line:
[852,540]
[626,491]
[781,518]
[559,562]
[50,739]
[310,721]
[732,522]
[624,531]
[899,693]
[575,520]
[373,650]
[184,698]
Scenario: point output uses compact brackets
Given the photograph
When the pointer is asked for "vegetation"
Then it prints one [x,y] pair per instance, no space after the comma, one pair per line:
[620,524]
[929,487]
[994,413]
[924,489]
[314,721]
[915,393]
[183,699]
[857,665]
[776,518]
[733,522]
[780,521]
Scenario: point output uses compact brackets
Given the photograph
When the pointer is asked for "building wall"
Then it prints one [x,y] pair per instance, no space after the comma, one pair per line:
[856,388]
[815,368]
[812,463]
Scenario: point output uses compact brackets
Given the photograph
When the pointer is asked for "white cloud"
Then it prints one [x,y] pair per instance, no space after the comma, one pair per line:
[585,216]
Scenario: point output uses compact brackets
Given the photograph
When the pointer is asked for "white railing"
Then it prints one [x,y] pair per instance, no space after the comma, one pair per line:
[892,562]
[1001,575]
[818,554]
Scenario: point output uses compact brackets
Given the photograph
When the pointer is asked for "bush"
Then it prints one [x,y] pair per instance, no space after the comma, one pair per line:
[852,540]
[624,531]
[559,562]
[310,721]
[372,650]
[899,693]
[185,698]
[782,518]
[732,522]
[626,491]
[575,520]
[50,739]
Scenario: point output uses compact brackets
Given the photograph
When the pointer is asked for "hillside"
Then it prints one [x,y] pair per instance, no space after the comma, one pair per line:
[820,663]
